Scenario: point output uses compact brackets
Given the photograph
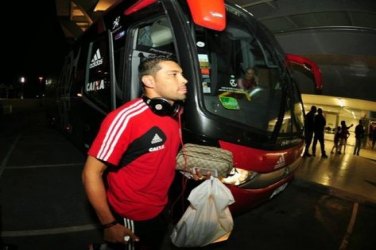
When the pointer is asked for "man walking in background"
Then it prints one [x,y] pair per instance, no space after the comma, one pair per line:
[308,128]
[359,134]
[344,135]
[319,127]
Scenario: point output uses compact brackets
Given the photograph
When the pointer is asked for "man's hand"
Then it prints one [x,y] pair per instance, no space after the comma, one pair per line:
[118,234]
[201,174]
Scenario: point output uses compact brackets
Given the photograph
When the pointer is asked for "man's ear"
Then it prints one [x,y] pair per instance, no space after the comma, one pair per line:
[148,81]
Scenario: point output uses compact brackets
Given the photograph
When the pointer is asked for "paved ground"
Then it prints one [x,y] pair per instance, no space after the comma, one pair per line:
[43,206]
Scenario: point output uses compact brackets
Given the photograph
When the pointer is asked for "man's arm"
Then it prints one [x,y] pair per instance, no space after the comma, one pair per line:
[92,178]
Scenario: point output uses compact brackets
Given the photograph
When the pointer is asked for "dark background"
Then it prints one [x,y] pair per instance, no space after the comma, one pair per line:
[32,40]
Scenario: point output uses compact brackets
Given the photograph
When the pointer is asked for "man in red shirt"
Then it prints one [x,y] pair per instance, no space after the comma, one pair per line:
[137,146]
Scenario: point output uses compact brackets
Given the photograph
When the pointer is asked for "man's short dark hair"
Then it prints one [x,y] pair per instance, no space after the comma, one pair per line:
[150,65]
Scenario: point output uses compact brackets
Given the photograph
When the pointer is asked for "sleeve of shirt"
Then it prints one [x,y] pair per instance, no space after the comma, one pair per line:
[112,139]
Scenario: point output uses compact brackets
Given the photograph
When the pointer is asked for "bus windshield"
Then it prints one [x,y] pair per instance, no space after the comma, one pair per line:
[242,79]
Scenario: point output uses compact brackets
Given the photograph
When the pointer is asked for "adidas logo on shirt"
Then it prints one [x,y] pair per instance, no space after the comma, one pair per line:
[96,60]
[156,139]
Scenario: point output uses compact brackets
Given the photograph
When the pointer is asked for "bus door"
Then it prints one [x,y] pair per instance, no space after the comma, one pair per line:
[143,34]
[152,37]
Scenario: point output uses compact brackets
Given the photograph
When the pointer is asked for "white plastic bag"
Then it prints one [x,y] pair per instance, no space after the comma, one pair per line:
[208,219]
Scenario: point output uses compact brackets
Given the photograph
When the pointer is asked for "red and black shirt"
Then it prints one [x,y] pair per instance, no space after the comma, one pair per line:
[141,147]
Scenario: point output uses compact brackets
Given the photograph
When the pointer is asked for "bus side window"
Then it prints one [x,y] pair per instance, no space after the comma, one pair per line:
[120,66]
[154,38]
[97,83]
[161,34]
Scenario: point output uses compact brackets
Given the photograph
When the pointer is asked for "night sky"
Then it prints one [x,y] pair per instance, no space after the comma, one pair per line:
[33,42]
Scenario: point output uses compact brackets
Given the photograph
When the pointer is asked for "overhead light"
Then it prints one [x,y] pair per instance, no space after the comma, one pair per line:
[341,102]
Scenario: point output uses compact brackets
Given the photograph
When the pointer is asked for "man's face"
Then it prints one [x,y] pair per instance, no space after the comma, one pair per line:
[169,82]
[249,74]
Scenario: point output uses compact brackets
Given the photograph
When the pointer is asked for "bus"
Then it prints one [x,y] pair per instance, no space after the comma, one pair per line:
[214,42]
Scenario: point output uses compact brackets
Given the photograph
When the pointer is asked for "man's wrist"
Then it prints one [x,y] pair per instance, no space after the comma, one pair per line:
[111,224]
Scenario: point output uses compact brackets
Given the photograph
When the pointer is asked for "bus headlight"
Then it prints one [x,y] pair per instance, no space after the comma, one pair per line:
[239,176]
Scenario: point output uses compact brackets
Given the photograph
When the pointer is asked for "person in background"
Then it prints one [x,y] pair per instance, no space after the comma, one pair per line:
[359,135]
[344,135]
[249,80]
[319,128]
[135,150]
[373,137]
[337,136]
[308,129]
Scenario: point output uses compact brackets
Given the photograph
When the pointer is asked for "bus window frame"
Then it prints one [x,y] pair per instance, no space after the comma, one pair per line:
[104,103]
[132,41]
